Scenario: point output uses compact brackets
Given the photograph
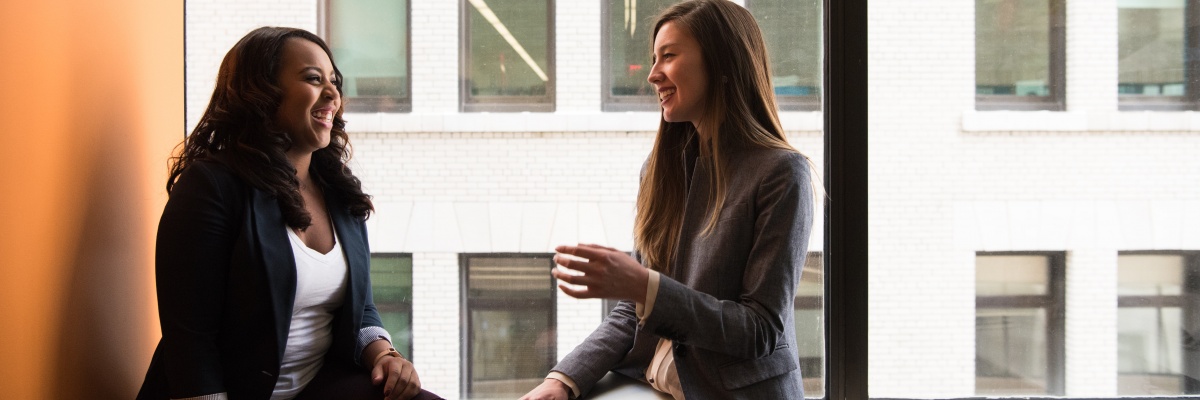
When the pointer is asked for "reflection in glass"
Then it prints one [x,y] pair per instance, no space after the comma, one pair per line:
[510,338]
[630,26]
[1015,326]
[369,40]
[1150,48]
[1012,47]
[792,30]
[1155,337]
[810,329]
[508,48]
[391,286]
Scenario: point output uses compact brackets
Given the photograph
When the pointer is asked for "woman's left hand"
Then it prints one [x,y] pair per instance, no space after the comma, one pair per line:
[399,378]
[608,273]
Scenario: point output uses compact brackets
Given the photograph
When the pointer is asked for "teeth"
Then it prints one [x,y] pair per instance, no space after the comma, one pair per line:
[663,94]
[325,116]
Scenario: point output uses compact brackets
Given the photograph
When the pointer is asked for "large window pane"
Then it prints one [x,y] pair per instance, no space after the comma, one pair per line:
[628,26]
[1018,54]
[792,30]
[1156,346]
[1018,329]
[510,340]
[509,55]
[392,287]
[370,41]
[1151,50]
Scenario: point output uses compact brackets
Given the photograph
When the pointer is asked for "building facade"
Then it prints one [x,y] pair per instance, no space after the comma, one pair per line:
[1020,189]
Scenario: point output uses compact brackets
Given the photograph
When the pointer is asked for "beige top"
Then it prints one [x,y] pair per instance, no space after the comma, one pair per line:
[660,374]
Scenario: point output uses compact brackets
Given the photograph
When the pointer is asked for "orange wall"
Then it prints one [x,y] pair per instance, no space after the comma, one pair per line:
[91,104]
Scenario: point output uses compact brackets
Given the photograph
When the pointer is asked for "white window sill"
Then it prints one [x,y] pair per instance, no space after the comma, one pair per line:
[632,121]
[1079,121]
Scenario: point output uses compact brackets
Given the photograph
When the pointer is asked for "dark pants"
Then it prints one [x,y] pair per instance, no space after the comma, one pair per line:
[339,381]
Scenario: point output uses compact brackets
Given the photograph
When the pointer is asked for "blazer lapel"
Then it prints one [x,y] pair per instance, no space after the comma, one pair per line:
[358,261]
[279,264]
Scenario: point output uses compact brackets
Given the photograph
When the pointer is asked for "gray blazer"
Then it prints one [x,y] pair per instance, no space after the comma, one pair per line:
[728,303]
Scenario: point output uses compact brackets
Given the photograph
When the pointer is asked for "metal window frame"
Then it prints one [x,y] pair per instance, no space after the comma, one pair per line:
[1056,101]
[1055,304]
[1190,101]
[469,103]
[466,304]
[392,104]
[409,303]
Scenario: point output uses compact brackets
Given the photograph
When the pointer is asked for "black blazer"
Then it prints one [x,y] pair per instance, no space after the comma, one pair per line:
[226,280]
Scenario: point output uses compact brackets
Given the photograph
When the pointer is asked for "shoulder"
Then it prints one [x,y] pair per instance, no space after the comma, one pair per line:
[767,164]
[209,177]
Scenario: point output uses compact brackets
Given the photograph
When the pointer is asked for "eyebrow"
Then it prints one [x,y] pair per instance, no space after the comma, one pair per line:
[665,45]
[313,68]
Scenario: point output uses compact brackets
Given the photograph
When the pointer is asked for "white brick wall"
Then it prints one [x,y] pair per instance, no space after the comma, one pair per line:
[945,181]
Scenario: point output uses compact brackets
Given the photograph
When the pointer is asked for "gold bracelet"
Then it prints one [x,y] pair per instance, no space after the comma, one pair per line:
[391,351]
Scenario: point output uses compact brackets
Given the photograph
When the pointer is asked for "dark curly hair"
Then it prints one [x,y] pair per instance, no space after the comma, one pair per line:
[238,130]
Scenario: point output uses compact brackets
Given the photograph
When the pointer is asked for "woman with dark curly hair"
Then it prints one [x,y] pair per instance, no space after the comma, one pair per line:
[262,263]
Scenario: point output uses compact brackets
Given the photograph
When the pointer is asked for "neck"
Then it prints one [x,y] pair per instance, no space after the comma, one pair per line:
[301,163]
[704,137]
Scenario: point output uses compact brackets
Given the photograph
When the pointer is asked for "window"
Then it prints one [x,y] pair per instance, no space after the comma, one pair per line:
[791,29]
[508,55]
[628,34]
[392,288]
[370,41]
[1020,54]
[509,323]
[810,327]
[1019,324]
[1152,50]
[1158,347]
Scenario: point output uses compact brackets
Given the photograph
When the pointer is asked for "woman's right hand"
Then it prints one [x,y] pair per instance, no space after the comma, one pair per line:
[550,389]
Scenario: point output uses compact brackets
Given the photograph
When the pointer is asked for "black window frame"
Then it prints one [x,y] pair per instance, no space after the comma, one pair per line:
[386,104]
[1056,100]
[471,104]
[466,304]
[1190,101]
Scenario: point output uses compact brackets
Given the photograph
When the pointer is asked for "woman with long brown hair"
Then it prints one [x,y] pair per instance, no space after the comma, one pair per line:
[261,261]
[724,214]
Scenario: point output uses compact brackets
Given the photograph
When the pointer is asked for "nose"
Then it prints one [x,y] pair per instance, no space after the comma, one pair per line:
[331,91]
[655,76]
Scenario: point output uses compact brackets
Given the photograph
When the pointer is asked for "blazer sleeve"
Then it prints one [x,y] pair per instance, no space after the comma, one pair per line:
[192,254]
[602,350]
[753,326]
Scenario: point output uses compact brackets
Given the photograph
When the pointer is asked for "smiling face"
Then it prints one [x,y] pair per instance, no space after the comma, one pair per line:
[310,96]
[678,74]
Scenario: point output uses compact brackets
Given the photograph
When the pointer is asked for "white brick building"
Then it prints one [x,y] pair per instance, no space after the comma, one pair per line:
[946,181]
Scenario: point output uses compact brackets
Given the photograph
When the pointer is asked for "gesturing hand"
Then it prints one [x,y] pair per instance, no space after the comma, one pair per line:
[398,376]
[550,389]
[608,273]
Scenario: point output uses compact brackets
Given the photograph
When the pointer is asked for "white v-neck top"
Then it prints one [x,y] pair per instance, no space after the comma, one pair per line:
[320,290]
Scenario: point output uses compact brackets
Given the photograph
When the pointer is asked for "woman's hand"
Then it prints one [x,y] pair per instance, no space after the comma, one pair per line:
[550,389]
[399,377]
[608,273]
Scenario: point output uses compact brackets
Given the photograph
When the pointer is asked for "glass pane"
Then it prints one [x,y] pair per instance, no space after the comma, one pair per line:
[1150,48]
[1002,275]
[511,351]
[369,39]
[1010,352]
[810,327]
[391,286]
[508,49]
[792,30]
[506,278]
[630,26]
[1012,47]
[1154,342]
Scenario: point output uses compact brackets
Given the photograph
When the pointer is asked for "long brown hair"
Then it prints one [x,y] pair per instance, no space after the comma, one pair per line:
[238,129]
[740,112]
